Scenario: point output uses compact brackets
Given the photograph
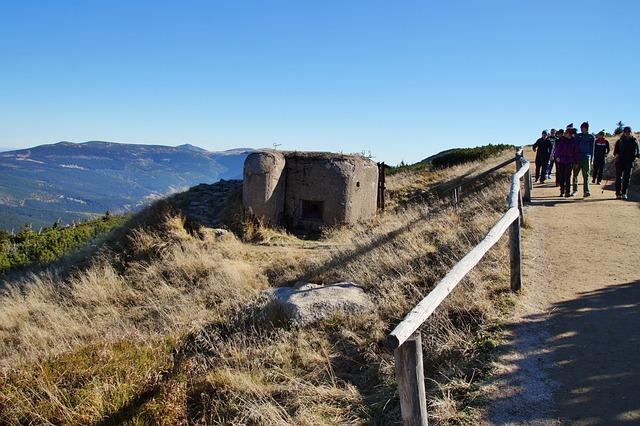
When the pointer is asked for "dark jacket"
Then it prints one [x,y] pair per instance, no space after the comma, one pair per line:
[601,149]
[566,151]
[585,142]
[553,140]
[626,150]
[543,149]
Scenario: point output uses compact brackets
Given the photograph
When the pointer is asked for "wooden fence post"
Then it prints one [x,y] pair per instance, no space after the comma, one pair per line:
[410,378]
[527,187]
[527,177]
[381,184]
[521,207]
[515,256]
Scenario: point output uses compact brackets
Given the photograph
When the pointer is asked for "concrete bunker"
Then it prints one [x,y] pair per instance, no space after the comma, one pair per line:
[309,189]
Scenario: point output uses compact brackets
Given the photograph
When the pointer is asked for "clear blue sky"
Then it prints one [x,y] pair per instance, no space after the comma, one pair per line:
[403,79]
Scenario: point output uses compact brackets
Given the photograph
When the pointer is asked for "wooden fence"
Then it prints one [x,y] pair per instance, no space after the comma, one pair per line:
[454,188]
[406,340]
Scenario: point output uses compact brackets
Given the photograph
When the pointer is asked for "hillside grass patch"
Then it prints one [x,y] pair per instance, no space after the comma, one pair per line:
[177,312]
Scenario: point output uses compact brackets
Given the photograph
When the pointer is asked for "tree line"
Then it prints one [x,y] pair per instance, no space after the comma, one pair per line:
[452,157]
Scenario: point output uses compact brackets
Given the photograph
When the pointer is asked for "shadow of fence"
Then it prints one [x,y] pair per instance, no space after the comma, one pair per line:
[592,353]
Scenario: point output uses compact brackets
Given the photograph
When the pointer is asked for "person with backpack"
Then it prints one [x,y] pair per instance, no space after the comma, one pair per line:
[542,148]
[566,154]
[625,153]
[585,143]
[600,153]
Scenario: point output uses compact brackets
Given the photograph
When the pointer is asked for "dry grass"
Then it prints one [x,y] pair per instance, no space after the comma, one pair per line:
[167,326]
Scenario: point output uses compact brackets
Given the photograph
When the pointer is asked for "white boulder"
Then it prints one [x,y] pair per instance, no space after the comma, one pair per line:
[306,302]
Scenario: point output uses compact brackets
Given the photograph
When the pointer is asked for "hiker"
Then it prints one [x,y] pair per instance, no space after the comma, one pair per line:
[566,154]
[625,153]
[542,148]
[585,143]
[552,140]
[559,135]
[600,153]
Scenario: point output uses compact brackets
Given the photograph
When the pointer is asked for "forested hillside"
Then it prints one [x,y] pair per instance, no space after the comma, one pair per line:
[70,181]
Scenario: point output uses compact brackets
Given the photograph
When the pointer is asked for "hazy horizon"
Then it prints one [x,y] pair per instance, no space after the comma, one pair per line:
[6,149]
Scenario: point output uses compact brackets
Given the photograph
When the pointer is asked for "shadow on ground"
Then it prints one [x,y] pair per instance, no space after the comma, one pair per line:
[550,201]
[592,354]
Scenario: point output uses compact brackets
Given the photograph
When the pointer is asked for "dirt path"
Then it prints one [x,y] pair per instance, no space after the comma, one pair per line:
[572,354]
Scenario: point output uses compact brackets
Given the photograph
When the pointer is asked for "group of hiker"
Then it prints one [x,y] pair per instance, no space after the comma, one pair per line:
[574,153]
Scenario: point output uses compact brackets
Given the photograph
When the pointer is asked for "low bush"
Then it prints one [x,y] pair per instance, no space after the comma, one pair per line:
[452,157]
[467,155]
[28,247]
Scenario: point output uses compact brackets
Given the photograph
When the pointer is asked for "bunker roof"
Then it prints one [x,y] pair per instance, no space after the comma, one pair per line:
[318,155]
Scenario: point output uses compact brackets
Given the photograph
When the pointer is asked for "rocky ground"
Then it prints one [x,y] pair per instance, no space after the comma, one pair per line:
[207,204]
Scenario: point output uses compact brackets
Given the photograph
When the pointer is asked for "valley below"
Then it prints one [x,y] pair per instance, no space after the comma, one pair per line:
[79,181]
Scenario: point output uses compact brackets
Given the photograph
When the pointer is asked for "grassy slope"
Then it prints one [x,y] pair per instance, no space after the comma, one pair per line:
[168,327]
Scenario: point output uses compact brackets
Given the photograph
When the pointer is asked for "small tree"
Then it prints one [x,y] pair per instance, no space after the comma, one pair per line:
[24,233]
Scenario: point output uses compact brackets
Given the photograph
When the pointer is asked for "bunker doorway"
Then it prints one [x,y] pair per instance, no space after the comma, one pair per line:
[312,210]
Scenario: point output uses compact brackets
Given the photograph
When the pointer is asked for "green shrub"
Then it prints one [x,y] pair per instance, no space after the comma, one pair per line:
[466,155]
[28,247]
[451,157]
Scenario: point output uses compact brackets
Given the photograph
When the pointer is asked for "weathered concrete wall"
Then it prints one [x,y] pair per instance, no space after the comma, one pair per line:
[309,190]
[263,187]
[362,191]
[345,185]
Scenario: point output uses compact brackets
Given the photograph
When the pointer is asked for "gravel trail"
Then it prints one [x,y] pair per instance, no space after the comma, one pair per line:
[572,352]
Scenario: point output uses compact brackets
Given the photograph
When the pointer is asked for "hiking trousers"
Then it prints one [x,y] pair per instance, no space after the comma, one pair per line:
[581,166]
[541,169]
[598,169]
[563,172]
[550,168]
[623,175]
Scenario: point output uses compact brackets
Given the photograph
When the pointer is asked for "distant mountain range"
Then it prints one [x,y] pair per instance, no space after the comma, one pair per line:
[75,181]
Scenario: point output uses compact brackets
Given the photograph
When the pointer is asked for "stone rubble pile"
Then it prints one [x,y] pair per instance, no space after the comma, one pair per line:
[205,203]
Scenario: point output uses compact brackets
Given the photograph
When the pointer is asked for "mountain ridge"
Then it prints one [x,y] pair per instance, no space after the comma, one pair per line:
[75,181]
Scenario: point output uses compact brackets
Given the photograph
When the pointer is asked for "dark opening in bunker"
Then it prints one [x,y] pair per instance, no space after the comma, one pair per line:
[311,210]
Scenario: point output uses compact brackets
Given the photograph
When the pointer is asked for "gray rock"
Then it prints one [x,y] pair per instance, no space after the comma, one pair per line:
[307,303]
[219,232]
[203,203]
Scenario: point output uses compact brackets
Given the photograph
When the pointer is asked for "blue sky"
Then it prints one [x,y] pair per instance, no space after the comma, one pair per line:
[401,79]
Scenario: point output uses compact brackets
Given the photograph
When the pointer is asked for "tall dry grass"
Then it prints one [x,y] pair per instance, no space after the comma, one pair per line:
[167,326]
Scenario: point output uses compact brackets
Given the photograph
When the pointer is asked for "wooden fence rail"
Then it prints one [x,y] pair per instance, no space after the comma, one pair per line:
[406,340]
[454,188]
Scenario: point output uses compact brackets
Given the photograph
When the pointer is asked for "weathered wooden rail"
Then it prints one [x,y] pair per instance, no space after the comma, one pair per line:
[454,188]
[406,339]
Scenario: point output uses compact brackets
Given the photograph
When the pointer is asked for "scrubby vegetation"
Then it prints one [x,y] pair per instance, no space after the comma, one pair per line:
[165,324]
[452,157]
[28,247]
[466,155]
